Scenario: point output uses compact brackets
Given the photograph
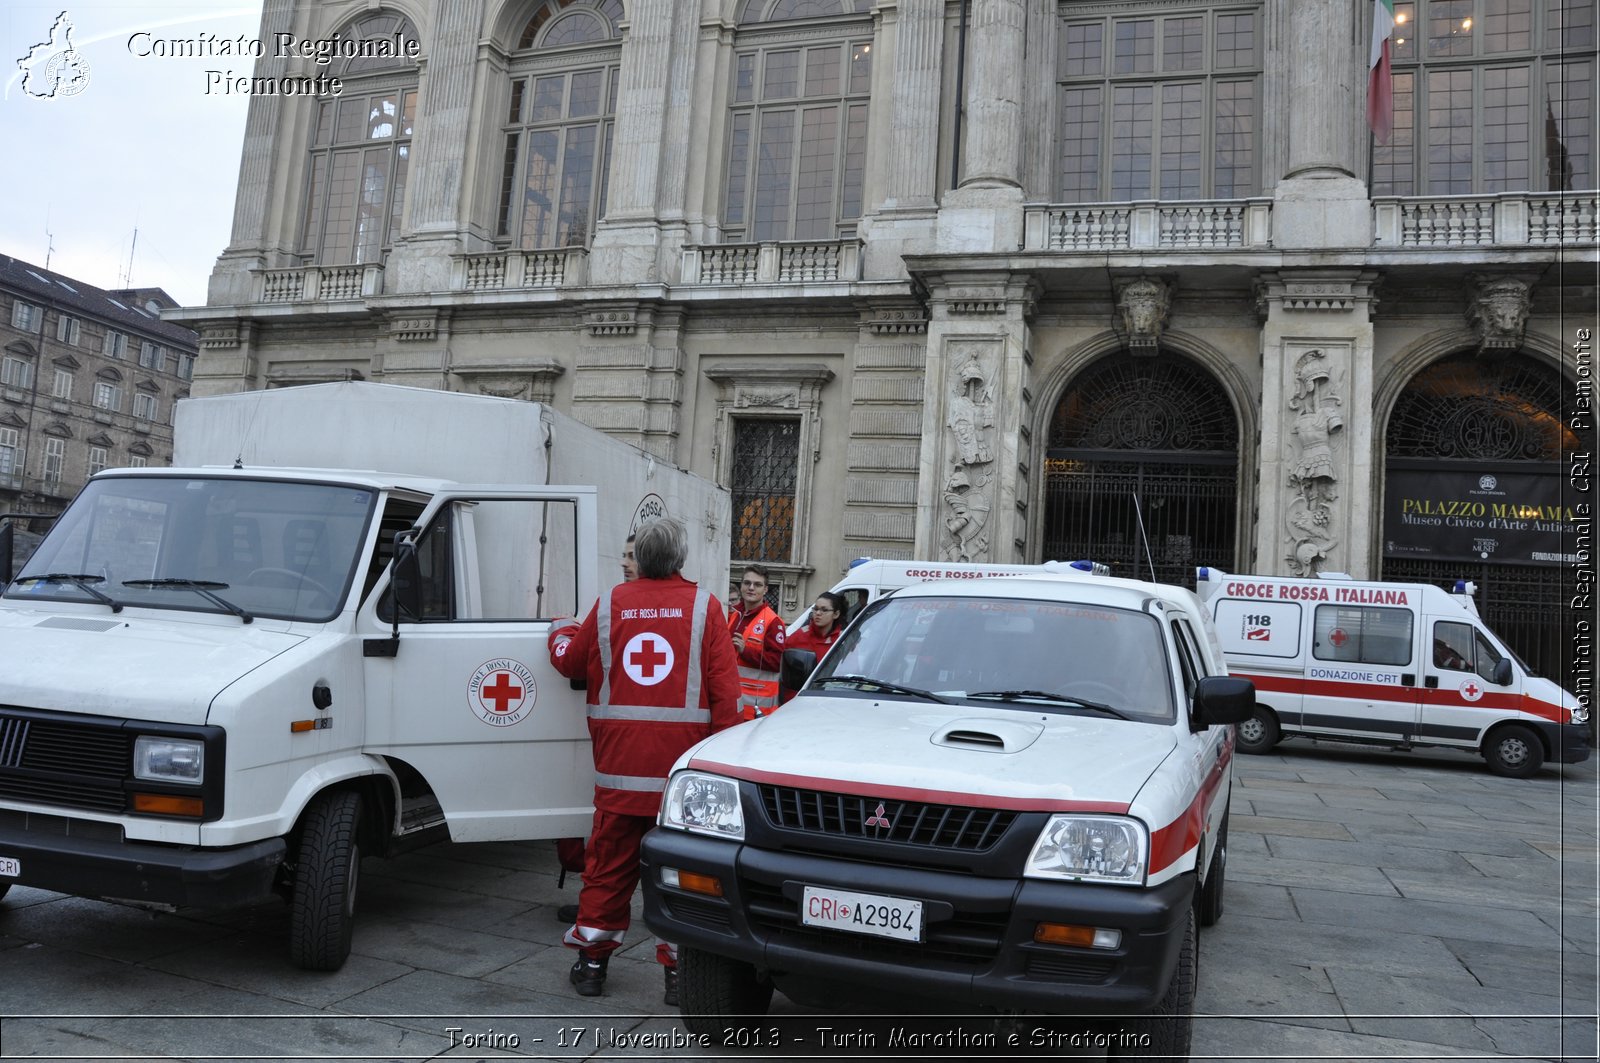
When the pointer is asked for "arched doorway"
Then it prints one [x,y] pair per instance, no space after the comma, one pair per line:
[1143,438]
[1473,490]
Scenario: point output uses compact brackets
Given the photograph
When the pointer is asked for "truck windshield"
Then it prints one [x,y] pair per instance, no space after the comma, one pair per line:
[268,548]
[1027,655]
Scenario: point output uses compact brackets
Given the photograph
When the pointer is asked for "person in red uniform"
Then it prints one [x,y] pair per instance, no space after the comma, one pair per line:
[660,677]
[570,851]
[758,640]
[822,629]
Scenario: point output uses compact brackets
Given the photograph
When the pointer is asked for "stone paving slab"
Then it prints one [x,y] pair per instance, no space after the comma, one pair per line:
[1345,878]
[1290,827]
[1388,857]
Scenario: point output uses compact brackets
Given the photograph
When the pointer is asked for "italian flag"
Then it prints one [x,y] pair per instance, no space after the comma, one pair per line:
[1380,89]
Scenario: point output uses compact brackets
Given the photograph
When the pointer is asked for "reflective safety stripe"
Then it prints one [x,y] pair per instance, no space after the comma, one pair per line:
[758,689]
[602,621]
[641,783]
[665,714]
[581,935]
[697,632]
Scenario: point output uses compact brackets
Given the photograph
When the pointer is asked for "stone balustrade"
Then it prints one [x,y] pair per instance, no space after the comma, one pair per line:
[778,262]
[1510,219]
[1218,225]
[495,271]
[318,284]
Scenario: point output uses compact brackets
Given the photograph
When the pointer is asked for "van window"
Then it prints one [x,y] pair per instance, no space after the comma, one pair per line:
[1356,634]
[1462,648]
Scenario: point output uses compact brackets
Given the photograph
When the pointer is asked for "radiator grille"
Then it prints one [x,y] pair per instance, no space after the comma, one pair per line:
[931,826]
[56,762]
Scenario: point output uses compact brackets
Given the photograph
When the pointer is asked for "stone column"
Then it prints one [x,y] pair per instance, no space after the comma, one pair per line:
[1320,203]
[436,179]
[1317,504]
[912,143]
[975,461]
[985,212]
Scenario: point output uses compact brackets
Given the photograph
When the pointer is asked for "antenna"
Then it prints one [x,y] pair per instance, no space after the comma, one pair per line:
[1143,538]
[49,247]
[127,280]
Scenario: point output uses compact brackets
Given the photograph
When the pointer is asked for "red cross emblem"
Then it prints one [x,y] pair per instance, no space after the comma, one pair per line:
[1338,637]
[500,692]
[647,658]
[878,819]
[1471,690]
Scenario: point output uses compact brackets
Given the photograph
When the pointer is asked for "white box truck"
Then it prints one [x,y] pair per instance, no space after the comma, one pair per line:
[1394,664]
[210,695]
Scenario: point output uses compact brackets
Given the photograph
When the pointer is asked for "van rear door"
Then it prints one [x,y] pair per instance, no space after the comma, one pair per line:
[469,699]
[1265,641]
[1362,671]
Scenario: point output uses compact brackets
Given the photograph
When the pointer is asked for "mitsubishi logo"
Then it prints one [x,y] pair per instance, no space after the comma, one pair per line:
[878,819]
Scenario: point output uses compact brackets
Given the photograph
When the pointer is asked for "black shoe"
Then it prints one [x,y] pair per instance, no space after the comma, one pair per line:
[588,976]
[567,913]
[670,997]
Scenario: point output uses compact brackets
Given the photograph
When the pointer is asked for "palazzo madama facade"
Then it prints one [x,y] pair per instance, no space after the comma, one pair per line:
[987,280]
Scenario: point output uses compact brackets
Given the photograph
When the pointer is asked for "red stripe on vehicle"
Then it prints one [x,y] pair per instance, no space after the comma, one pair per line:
[1168,844]
[1447,696]
[908,793]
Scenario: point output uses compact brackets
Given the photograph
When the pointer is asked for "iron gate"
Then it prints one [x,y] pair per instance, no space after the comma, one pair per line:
[1149,441]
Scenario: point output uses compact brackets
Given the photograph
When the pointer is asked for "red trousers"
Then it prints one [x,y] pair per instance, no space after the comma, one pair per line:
[610,875]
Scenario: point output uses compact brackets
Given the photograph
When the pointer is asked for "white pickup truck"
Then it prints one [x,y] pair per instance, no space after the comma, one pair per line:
[1008,794]
[210,696]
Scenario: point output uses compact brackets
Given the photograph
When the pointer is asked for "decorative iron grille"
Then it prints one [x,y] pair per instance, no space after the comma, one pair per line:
[1483,409]
[1149,442]
[764,479]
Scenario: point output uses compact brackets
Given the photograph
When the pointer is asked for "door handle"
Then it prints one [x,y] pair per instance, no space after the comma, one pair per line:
[1431,682]
[1407,679]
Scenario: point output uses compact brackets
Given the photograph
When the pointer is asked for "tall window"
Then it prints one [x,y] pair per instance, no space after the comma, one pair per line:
[97,459]
[560,123]
[360,150]
[16,372]
[144,406]
[185,366]
[107,395]
[1490,96]
[10,455]
[67,329]
[25,317]
[766,461]
[1160,106]
[797,122]
[153,356]
[55,450]
[115,345]
[63,385]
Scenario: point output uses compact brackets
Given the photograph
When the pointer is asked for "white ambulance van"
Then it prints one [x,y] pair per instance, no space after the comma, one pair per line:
[210,695]
[1397,664]
[870,578]
[1006,794]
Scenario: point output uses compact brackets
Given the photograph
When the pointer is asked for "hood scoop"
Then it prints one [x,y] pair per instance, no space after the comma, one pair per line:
[79,623]
[988,735]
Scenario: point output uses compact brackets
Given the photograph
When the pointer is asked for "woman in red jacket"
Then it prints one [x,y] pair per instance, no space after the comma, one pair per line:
[822,629]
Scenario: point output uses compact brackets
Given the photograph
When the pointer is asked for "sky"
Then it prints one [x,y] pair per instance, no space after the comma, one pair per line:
[139,167]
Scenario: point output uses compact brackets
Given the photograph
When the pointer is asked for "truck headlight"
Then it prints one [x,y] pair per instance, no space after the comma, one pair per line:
[1111,849]
[157,759]
[704,804]
[1579,713]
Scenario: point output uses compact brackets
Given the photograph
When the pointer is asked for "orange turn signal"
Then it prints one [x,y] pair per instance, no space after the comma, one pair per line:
[169,805]
[1062,934]
[695,882]
[296,726]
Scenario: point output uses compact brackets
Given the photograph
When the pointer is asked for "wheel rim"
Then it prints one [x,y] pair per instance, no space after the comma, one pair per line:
[1513,752]
[1251,730]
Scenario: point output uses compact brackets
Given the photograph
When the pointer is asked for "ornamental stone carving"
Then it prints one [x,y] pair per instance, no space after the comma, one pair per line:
[1498,311]
[1315,422]
[971,471]
[1145,304]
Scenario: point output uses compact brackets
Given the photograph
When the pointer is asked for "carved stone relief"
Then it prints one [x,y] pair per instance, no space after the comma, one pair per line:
[1498,311]
[1144,304]
[970,474]
[1315,422]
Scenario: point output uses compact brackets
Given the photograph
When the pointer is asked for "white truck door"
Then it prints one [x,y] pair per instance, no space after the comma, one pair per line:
[1460,697]
[468,699]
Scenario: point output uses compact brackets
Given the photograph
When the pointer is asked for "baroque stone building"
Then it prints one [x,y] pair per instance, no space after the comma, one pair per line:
[971,280]
[88,381]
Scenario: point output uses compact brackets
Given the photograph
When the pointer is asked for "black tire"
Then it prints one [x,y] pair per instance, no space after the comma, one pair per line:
[715,994]
[5,887]
[1208,903]
[1514,751]
[1164,1032]
[322,897]
[1259,733]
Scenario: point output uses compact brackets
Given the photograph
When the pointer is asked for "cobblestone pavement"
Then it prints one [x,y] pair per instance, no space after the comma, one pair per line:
[1379,905]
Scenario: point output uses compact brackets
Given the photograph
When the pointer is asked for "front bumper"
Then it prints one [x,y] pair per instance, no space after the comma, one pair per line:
[978,945]
[54,858]
[1568,743]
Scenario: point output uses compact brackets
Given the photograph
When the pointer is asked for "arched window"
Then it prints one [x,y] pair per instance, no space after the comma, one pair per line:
[1490,96]
[559,124]
[1156,104]
[361,147]
[797,122]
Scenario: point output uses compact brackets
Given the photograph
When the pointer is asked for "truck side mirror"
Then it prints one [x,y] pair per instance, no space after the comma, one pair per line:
[405,584]
[1502,672]
[1222,699]
[8,540]
[796,668]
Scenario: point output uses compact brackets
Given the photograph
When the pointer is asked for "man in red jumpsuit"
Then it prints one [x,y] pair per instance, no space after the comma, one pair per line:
[758,640]
[661,676]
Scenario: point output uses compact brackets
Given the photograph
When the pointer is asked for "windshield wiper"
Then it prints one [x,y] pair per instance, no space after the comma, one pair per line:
[882,684]
[84,581]
[1045,695]
[202,587]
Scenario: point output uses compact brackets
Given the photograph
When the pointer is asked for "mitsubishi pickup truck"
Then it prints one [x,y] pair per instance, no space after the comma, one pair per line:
[1010,795]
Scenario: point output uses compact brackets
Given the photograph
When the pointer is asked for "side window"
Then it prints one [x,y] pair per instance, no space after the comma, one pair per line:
[398,515]
[1452,646]
[857,598]
[1485,656]
[1189,668]
[1356,634]
[434,572]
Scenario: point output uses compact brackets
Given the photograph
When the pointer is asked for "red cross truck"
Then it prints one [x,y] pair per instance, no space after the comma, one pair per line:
[1393,664]
[1004,794]
[224,680]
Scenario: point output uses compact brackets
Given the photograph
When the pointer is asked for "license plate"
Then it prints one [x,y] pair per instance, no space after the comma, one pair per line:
[10,867]
[861,913]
